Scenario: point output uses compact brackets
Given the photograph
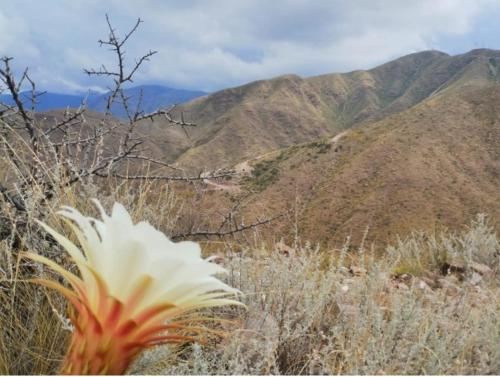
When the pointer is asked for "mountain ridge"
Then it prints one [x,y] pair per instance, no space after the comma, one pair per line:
[235,124]
[153,97]
[432,167]
[413,144]
[419,148]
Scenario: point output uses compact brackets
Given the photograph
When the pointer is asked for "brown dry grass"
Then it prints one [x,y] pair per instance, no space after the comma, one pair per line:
[316,310]
[432,167]
[240,123]
[309,311]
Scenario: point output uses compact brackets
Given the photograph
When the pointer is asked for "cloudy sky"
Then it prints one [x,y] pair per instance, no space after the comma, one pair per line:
[210,45]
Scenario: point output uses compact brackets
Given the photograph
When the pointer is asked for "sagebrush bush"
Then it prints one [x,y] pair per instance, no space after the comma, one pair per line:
[308,311]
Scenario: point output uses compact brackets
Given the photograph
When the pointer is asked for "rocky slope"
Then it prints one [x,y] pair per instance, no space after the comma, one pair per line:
[432,166]
[239,123]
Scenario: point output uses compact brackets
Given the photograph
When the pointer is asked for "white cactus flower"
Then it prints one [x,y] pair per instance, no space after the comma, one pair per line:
[133,280]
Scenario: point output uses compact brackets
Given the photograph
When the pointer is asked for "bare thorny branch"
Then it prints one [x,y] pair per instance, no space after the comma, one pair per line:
[220,232]
[117,95]
[73,149]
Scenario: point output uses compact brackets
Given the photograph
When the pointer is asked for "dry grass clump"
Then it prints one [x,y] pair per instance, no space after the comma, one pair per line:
[309,311]
[421,254]
[33,333]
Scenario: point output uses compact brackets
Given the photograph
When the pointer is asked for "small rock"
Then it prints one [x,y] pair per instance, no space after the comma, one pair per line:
[400,285]
[358,271]
[453,266]
[450,288]
[445,283]
[453,279]
[423,285]
[429,281]
[475,279]
[343,270]
[405,277]
[481,268]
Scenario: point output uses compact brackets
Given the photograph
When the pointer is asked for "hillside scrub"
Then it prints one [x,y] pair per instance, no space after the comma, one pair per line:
[312,312]
[263,174]
[429,305]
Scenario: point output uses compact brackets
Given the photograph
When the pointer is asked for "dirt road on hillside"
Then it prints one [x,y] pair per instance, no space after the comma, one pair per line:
[245,169]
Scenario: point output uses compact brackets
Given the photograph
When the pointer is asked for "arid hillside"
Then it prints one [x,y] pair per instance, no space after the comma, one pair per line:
[412,144]
[239,123]
[432,166]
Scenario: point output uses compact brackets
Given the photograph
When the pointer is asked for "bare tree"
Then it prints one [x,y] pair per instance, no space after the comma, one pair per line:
[73,148]
[47,155]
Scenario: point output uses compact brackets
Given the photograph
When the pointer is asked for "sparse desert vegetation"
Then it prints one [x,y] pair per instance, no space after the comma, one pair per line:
[356,214]
[427,305]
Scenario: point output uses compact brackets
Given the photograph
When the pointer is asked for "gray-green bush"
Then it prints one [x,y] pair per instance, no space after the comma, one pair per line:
[306,314]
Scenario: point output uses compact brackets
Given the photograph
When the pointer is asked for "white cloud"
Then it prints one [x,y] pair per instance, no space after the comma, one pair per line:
[213,44]
[15,37]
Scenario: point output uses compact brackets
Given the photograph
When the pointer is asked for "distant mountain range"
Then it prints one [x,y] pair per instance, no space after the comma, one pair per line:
[239,123]
[413,144]
[153,97]
[419,147]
